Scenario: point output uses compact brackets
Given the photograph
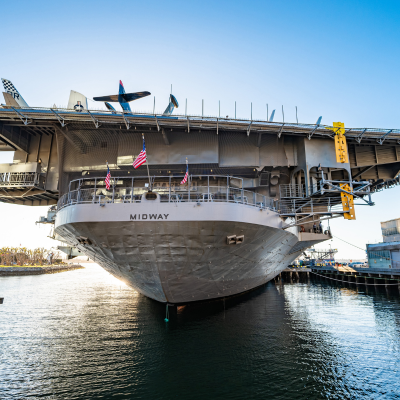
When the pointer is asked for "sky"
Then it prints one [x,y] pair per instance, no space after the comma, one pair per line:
[335,59]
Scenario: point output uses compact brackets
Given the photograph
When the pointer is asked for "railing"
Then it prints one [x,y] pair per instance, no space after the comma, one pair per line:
[21,179]
[292,207]
[292,190]
[134,195]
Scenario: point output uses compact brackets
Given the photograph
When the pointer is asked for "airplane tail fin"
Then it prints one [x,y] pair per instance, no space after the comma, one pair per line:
[77,101]
[271,118]
[122,101]
[121,88]
[173,103]
[12,91]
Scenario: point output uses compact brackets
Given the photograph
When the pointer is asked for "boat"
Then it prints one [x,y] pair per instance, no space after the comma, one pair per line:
[258,193]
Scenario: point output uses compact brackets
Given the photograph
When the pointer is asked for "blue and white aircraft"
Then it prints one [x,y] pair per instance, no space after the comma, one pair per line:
[78,101]
[125,98]
[122,98]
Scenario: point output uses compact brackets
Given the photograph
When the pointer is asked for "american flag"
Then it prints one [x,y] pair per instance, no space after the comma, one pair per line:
[141,158]
[185,178]
[108,178]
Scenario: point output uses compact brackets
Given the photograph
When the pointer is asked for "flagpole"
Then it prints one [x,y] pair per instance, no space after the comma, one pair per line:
[147,165]
[188,180]
[188,173]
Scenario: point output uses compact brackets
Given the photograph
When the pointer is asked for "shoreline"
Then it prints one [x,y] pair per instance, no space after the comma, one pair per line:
[45,269]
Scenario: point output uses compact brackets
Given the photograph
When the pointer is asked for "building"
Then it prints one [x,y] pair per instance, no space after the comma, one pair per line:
[387,253]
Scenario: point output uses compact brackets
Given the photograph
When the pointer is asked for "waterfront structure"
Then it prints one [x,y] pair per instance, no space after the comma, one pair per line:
[255,191]
[387,253]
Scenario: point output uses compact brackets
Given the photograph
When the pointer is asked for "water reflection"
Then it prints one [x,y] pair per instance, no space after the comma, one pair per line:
[82,334]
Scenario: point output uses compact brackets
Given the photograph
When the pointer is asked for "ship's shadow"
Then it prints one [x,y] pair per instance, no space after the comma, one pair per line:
[208,308]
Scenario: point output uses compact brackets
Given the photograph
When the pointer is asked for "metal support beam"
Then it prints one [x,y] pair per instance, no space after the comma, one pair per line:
[280,131]
[158,126]
[382,138]
[22,117]
[249,128]
[61,120]
[95,121]
[165,137]
[126,120]
[359,137]
[81,147]
[362,171]
[312,132]
[14,137]
[188,125]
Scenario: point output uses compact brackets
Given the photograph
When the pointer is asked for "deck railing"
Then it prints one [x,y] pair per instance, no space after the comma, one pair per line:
[167,195]
[21,179]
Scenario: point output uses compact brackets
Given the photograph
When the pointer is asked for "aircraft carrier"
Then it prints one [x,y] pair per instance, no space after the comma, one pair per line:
[255,197]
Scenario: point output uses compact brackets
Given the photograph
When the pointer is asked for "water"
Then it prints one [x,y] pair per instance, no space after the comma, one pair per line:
[84,335]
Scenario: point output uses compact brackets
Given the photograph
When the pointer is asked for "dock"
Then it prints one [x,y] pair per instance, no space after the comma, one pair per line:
[389,278]
[45,269]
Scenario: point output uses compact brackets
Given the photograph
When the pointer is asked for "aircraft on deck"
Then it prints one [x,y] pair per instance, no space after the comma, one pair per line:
[78,101]
[11,95]
[125,98]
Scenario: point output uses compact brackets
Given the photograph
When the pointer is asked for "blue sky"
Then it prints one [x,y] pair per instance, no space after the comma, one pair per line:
[337,59]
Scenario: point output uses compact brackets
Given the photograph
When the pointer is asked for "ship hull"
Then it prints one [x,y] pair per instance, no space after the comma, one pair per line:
[177,257]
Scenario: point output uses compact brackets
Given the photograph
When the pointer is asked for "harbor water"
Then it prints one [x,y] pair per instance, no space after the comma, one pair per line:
[84,335]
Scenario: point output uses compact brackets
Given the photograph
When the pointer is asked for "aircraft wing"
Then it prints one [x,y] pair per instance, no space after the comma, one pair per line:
[134,96]
[113,97]
[127,97]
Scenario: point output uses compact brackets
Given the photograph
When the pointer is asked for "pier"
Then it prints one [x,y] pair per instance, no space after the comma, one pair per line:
[345,275]
[39,270]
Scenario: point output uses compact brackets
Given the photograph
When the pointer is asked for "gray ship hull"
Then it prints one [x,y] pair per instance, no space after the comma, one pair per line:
[181,254]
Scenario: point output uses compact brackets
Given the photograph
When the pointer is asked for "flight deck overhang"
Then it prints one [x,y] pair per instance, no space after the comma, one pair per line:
[103,119]
[69,144]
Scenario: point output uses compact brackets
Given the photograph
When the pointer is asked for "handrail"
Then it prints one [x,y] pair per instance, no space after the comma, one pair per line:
[21,179]
[209,194]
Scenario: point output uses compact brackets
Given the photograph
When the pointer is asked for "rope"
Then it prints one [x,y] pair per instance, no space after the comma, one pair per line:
[359,283]
[371,252]
[351,244]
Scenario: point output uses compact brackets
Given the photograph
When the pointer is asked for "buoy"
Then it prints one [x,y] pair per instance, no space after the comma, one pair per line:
[166,314]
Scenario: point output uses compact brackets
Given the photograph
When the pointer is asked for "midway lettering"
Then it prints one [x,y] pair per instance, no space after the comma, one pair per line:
[135,217]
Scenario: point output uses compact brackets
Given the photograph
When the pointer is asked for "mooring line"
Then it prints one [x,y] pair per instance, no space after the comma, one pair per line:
[360,283]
